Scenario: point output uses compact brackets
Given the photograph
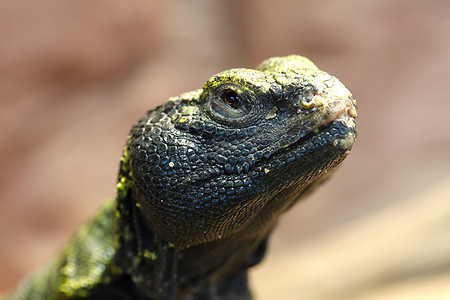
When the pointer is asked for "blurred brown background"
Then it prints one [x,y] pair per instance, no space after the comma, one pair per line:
[75,75]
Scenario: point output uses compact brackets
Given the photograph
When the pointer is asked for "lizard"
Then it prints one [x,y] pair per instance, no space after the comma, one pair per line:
[202,182]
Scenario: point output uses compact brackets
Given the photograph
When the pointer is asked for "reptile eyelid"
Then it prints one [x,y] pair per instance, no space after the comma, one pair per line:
[224,112]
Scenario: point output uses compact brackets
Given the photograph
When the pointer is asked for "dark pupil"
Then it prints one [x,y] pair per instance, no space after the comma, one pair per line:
[232,99]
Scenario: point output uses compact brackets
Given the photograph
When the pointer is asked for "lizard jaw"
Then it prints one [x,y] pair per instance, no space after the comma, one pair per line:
[340,123]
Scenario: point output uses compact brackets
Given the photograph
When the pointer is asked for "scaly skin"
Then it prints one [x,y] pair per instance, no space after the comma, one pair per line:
[203,180]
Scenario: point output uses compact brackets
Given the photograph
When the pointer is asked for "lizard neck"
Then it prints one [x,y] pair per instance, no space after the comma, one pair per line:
[164,271]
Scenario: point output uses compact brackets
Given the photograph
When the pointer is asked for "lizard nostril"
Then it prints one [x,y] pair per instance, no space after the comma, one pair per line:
[308,102]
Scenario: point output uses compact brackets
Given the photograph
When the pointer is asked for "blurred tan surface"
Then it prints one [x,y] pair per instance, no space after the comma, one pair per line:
[397,250]
[75,76]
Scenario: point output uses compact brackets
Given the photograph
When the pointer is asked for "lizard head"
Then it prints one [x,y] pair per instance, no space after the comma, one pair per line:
[227,160]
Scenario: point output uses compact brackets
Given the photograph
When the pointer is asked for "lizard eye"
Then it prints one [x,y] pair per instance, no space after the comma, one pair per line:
[231,98]
[229,102]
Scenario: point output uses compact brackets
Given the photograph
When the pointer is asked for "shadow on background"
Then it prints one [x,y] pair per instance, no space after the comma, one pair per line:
[75,76]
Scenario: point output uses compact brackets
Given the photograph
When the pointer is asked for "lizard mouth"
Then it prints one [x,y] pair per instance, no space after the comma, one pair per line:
[339,131]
